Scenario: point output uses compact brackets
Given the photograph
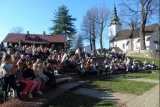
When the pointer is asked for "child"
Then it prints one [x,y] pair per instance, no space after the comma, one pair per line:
[9,69]
[81,71]
[25,85]
[29,75]
[49,71]
[41,75]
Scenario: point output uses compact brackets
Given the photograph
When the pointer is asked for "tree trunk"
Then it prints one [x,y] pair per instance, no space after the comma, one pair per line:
[142,28]
[101,45]
[90,33]
[93,35]
[142,37]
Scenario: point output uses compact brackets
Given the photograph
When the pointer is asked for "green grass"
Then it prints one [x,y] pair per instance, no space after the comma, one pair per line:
[142,59]
[120,85]
[70,99]
[144,75]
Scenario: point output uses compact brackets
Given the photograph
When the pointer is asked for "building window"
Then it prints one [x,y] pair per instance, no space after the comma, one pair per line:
[37,38]
[148,39]
[138,41]
[127,43]
[123,46]
[26,37]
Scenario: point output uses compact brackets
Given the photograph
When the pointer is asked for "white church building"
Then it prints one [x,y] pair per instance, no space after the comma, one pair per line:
[128,39]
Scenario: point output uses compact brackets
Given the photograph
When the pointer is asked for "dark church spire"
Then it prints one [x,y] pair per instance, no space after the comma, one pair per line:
[115,19]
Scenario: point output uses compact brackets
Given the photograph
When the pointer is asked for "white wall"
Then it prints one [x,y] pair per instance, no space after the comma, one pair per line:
[120,44]
[113,30]
[154,37]
[150,45]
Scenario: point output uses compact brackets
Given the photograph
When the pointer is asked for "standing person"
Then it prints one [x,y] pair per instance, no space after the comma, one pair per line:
[8,79]
[128,63]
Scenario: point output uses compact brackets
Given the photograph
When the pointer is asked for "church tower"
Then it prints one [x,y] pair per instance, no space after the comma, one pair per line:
[115,26]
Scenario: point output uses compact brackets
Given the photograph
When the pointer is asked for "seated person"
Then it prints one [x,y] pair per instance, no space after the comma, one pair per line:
[41,75]
[112,68]
[146,65]
[81,71]
[92,70]
[87,68]
[49,71]
[153,66]
[29,75]
[121,67]
[135,66]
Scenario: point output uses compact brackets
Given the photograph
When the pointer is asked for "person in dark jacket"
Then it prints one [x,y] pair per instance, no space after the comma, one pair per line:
[50,74]
[29,75]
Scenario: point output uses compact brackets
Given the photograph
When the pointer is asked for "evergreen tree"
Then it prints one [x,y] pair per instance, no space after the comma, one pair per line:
[63,23]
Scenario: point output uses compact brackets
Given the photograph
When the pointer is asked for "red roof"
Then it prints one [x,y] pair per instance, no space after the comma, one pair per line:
[14,38]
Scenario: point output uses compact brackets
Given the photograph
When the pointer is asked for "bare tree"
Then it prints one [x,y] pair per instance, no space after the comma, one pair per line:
[16,29]
[126,21]
[89,28]
[86,30]
[147,10]
[94,23]
[103,16]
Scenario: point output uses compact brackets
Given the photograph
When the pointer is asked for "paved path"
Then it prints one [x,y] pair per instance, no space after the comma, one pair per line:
[142,79]
[148,99]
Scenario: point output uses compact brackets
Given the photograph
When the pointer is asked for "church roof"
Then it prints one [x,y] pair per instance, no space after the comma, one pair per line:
[125,34]
[32,38]
[117,49]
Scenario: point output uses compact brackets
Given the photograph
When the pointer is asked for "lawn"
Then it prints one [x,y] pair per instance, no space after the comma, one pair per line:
[120,85]
[154,75]
[70,99]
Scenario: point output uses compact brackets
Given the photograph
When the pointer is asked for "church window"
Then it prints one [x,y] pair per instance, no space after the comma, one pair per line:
[123,46]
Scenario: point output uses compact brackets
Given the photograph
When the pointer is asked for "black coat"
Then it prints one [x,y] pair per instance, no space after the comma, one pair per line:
[28,73]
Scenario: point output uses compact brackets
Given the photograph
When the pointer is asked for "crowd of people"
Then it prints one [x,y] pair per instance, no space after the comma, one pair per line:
[29,69]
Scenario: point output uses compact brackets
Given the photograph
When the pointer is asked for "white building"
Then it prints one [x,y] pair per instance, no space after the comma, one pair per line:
[129,39]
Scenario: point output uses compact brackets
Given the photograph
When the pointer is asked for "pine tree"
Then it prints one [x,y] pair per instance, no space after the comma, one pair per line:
[63,23]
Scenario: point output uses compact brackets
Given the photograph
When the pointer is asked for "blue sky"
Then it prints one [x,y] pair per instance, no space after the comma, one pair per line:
[35,15]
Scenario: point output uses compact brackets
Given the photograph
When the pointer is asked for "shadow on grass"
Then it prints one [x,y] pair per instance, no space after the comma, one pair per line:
[70,99]
[100,84]
[110,80]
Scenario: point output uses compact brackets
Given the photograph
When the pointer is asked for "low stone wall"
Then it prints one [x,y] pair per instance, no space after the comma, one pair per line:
[144,53]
